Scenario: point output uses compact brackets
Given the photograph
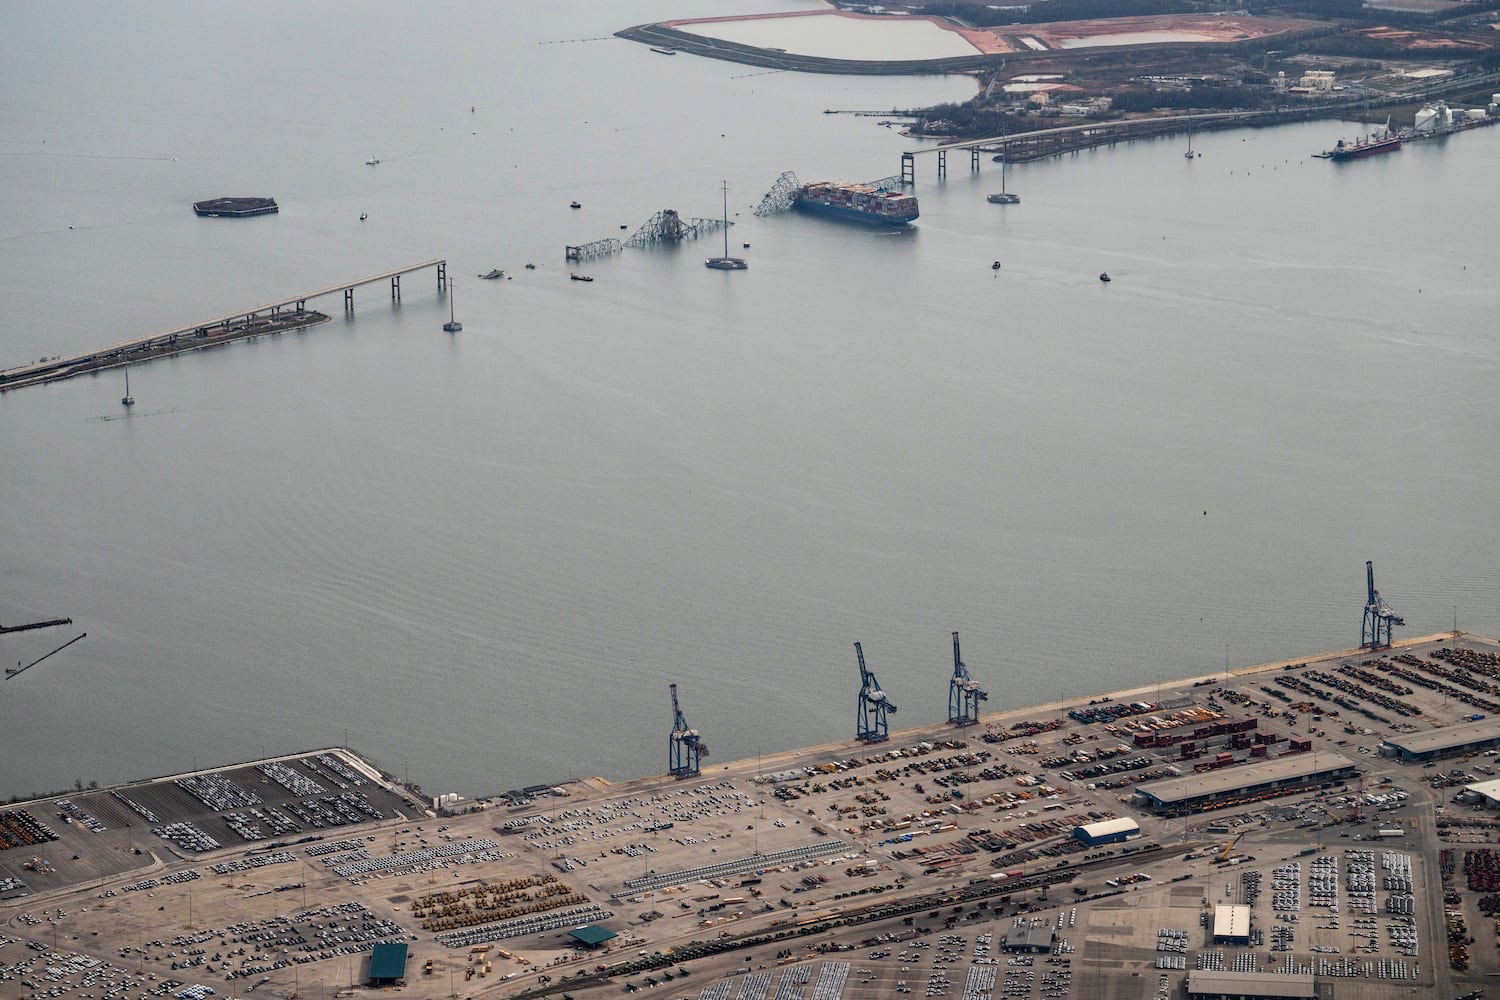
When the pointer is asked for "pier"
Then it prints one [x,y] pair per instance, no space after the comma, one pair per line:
[271,317]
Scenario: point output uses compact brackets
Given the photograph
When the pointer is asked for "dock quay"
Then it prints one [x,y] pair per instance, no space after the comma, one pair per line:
[270,318]
[1330,847]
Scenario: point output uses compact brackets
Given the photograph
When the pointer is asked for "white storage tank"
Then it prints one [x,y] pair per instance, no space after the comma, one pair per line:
[1477,114]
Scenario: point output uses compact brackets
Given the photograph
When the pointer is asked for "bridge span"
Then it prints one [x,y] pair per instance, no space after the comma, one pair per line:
[235,325]
[1051,141]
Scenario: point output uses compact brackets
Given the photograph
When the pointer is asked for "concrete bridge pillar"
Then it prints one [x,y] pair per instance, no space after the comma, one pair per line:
[442,274]
[395,288]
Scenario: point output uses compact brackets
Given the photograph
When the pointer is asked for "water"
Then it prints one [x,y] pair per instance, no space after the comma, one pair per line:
[482,558]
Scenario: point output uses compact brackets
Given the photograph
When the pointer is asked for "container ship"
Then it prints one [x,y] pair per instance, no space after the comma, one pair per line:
[861,202]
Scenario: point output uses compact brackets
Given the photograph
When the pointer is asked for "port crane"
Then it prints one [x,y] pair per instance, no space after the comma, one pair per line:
[1375,633]
[964,694]
[870,718]
[685,748]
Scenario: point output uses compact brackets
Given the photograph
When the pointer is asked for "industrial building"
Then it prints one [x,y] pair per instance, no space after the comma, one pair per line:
[1029,940]
[1205,985]
[1245,782]
[1486,793]
[591,936]
[387,964]
[1449,741]
[1107,831]
[1231,924]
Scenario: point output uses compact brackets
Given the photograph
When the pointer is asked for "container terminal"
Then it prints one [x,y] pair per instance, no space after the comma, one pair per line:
[1320,827]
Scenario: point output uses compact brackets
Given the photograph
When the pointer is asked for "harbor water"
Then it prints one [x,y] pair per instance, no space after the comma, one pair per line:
[482,557]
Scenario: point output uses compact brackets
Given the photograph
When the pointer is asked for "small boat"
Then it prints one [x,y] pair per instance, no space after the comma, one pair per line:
[580,277]
[363,216]
[371,162]
[531,267]
[127,399]
[492,275]
[663,50]
[624,227]
[574,204]
[744,246]
[1104,276]
[995,266]
[726,262]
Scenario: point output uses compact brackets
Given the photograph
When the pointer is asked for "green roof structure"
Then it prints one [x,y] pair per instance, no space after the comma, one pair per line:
[591,936]
[388,962]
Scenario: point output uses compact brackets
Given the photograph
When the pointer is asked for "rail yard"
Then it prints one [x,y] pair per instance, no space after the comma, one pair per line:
[1290,830]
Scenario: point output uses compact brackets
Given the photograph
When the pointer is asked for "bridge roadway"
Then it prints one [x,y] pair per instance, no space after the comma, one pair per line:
[1112,131]
[25,374]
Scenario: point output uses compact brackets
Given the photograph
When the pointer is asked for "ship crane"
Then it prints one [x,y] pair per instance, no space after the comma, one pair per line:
[684,746]
[964,695]
[1375,633]
[870,719]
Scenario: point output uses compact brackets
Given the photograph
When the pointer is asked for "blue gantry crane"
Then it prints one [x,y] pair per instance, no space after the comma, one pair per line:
[1375,633]
[964,695]
[685,747]
[870,720]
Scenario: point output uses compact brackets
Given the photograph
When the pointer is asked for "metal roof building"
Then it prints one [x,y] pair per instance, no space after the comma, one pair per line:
[1488,791]
[1034,940]
[1231,924]
[1107,831]
[1245,781]
[591,935]
[387,963]
[1205,985]
[1481,734]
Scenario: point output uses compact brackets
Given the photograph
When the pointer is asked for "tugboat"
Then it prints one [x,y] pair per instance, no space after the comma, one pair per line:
[580,277]
[574,204]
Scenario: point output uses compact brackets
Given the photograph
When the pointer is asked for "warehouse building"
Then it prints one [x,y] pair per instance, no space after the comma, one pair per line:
[1107,831]
[1244,783]
[1449,741]
[1231,924]
[1029,940]
[387,964]
[1205,985]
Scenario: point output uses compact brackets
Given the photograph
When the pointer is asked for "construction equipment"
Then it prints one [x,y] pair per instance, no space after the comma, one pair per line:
[1223,855]
[964,695]
[685,748]
[1375,633]
[870,724]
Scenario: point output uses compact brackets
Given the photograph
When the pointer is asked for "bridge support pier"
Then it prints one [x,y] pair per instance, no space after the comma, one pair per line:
[974,160]
[349,301]
[908,170]
[942,164]
[395,288]
[442,270]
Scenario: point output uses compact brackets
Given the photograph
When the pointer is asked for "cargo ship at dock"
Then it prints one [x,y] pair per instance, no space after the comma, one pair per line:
[858,202]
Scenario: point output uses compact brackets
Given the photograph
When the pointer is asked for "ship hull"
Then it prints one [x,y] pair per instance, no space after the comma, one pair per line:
[1365,149]
[854,214]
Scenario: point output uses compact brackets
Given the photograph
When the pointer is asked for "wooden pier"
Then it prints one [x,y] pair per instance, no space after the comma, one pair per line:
[273,317]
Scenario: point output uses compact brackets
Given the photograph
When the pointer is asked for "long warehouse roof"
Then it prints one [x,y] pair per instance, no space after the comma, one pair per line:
[1448,737]
[1227,779]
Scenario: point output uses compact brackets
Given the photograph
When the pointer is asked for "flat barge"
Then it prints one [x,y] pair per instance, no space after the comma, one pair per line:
[235,208]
